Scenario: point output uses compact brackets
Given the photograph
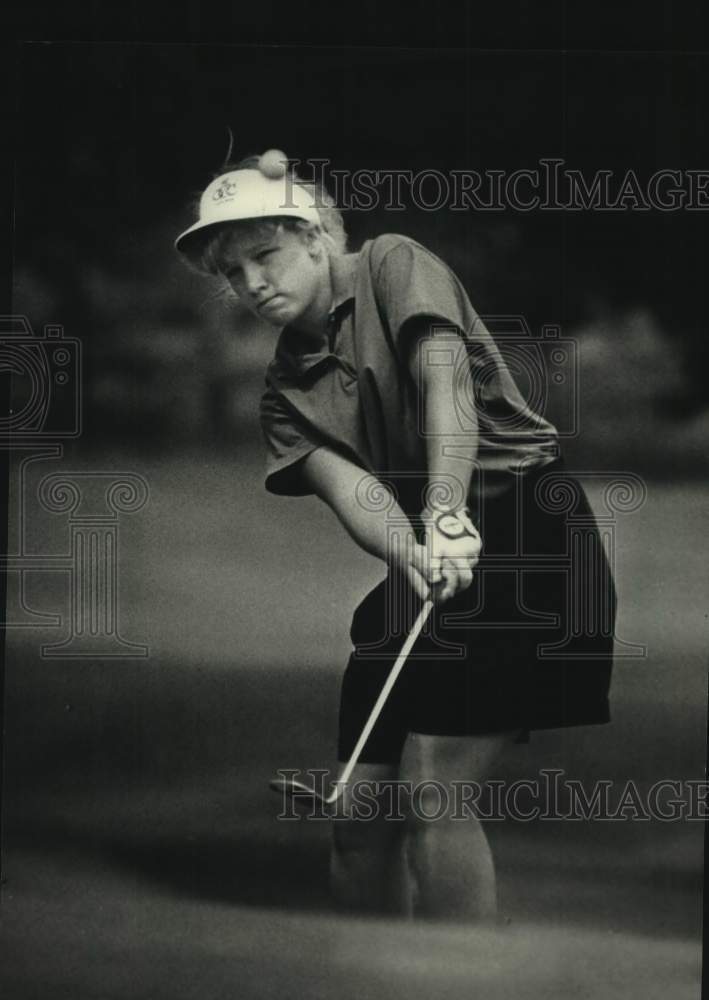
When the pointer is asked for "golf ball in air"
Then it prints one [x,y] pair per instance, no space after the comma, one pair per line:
[273,163]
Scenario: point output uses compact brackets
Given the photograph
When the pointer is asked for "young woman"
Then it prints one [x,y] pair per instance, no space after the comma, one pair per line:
[388,398]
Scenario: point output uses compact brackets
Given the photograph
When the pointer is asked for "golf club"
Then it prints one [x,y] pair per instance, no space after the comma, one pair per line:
[290,786]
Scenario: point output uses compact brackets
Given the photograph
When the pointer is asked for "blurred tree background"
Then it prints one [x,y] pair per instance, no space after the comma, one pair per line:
[116,140]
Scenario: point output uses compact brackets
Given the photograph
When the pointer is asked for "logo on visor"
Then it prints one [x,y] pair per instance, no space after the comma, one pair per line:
[225,190]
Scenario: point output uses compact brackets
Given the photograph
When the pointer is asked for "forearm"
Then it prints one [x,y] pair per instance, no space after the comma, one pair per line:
[451,443]
[366,507]
[453,542]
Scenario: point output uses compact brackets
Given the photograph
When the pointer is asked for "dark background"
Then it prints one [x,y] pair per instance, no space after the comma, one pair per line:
[116,140]
[141,851]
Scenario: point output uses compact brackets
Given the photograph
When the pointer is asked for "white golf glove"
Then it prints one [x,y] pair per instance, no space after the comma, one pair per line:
[453,546]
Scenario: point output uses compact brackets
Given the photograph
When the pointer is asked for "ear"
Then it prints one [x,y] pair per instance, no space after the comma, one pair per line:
[316,246]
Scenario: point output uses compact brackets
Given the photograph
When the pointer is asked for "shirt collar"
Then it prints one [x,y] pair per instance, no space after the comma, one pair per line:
[291,357]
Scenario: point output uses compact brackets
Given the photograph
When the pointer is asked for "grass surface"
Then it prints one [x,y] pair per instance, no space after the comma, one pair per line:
[142,853]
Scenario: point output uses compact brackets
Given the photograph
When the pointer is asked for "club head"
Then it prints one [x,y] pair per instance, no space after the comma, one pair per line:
[302,792]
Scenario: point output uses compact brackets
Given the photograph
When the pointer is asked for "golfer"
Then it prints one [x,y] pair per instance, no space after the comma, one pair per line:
[388,398]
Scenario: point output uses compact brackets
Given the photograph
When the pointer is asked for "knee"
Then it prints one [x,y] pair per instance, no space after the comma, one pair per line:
[353,838]
[349,837]
[431,802]
[448,760]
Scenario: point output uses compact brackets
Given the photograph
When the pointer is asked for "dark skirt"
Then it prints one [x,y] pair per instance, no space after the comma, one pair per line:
[528,646]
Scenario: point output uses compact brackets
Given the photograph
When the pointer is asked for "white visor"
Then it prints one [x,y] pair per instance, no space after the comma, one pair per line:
[248,194]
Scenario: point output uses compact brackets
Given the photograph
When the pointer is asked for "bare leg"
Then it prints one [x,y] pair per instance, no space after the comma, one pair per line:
[450,860]
[368,869]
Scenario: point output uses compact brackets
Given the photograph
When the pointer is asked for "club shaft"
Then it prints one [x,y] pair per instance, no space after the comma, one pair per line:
[384,693]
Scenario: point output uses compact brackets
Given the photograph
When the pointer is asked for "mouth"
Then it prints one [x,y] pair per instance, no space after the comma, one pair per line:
[268,302]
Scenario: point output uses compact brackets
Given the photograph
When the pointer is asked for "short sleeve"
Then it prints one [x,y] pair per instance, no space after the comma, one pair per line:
[412,282]
[288,442]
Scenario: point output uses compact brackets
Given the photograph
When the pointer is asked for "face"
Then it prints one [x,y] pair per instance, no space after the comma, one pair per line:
[278,276]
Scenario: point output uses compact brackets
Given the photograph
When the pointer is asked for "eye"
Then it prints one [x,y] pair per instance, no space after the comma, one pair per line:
[265,253]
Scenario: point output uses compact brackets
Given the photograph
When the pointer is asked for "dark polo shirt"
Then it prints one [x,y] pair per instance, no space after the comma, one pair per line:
[355,394]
